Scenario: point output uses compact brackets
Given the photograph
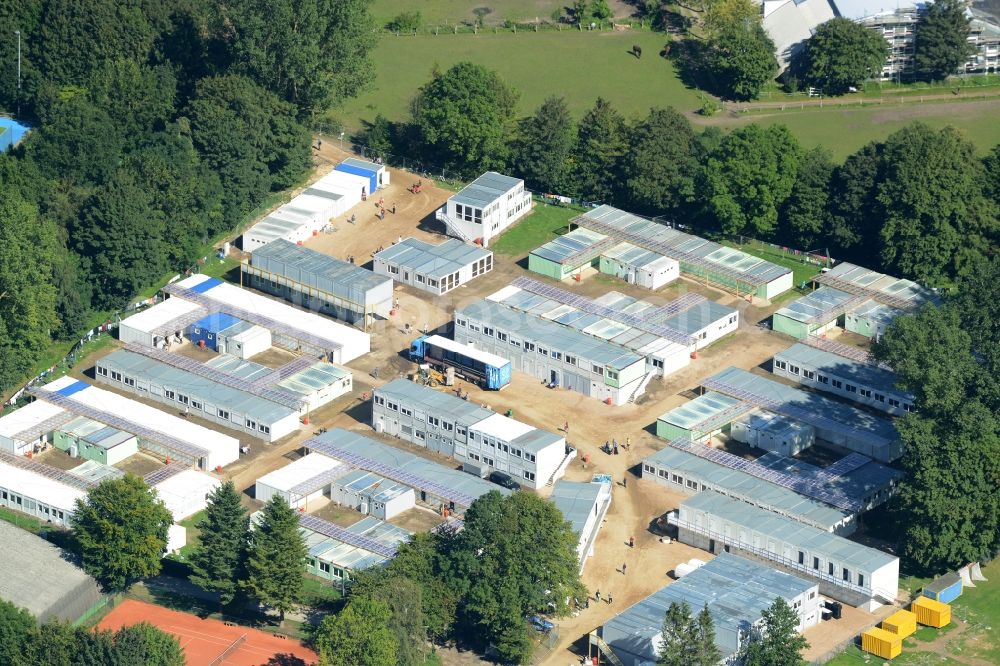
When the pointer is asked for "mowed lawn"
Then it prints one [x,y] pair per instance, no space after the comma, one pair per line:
[844,131]
[976,642]
[580,66]
[544,223]
[449,12]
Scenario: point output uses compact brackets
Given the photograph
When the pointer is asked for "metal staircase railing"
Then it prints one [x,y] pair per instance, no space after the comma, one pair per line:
[605,649]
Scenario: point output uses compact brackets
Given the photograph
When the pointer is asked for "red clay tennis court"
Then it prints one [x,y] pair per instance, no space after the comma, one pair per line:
[211,642]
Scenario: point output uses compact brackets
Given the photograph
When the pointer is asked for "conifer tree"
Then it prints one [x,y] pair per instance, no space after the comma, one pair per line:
[217,563]
[276,557]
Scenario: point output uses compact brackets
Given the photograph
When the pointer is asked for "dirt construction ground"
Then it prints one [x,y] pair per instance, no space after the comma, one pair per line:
[636,502]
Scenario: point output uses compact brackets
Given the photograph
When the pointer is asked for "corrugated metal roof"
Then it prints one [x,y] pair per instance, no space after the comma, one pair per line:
[862,482]
[434,261]
[564,339]
[699,317]
[486,189]
[813,306]
[808,407]
[846,552]
[576,500]
[194,386]
[749,488]
[407,465]
[886,289]
[323,272]
[863,374]
[561,248]
[445,405]
[735,590]
[701,409]
[363,164]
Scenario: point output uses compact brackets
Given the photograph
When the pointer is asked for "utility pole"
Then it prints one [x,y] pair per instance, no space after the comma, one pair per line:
[18,33]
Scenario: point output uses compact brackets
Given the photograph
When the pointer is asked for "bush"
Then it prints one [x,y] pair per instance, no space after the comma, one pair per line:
[405,22]
[709,106]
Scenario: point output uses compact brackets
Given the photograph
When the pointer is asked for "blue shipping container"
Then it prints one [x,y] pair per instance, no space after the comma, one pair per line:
[494,375]
[372,176]
[207,329]
[945,589]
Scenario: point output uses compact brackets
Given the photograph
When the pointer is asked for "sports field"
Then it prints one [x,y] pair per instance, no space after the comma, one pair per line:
[210,642]
[584,65]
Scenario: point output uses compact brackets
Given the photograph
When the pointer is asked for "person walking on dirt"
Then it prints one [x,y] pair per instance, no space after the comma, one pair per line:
[597,595]
[624,567]
[566,427]
[610,598]
[631,542]
[393,207]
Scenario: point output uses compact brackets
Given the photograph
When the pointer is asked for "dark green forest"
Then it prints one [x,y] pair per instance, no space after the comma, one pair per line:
[158,126]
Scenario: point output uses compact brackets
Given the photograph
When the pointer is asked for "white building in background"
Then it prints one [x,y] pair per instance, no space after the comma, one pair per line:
[437,269]
[302,481]
[485,208]
[584,505]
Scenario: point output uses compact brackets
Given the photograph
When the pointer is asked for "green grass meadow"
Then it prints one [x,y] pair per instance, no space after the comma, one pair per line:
[543,224]
[976,643]
[582,66]
[449,12]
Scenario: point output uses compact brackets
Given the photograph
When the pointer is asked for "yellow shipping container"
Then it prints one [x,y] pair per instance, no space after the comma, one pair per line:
[881,643]
[930,612]
[902,623]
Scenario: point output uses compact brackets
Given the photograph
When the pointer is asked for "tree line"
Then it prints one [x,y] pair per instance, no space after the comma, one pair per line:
[157,127]
[921,204]
[948,356]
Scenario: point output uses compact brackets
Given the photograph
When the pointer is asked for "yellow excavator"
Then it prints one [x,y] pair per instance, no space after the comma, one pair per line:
[428,375]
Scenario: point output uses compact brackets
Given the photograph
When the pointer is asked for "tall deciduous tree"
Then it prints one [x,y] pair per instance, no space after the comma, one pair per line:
[515,556]
[941,45]
[601,142]
[312,53]
[217,563]
[543,147]
[121,530]
[804,214]
[949,359]
[749,177]
[659,168]
[80,145]
[358,635]
[145,644]
[464,118]
[404,599]
[28,250]
[853,188]
[249,137]
[937,221]
[276,557]
[842,54]
[742,59]
[780,643]
[419,561]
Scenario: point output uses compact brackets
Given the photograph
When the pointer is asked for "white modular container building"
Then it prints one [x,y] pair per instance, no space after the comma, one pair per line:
[437,269]
[774,433]
[638,266]
[291,328]
[456,428]
[239,409]
[315,384]
[151,327]
[186,493]
[28,426]
[485,208]
[302,481]
[345,186]
[584,505]
[37,491]
[845,570]
[864,383]
[165,434]
[372,494]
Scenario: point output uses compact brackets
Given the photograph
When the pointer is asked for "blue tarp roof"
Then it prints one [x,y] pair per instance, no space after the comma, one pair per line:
[75,387]
[204,286]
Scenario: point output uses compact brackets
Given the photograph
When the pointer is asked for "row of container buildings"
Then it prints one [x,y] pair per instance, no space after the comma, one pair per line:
[651,254]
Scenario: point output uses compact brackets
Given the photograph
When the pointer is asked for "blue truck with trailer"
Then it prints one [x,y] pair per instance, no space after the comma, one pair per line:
[490,371]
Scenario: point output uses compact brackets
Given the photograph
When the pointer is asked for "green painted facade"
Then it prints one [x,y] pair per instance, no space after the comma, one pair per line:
[669,431]
[552,269]
[789,326]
